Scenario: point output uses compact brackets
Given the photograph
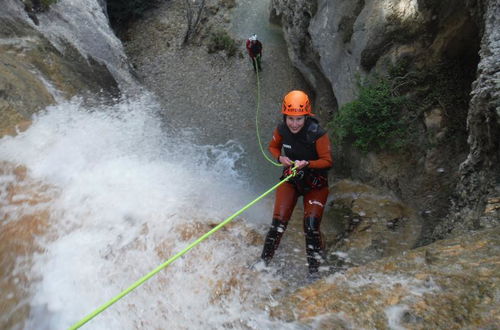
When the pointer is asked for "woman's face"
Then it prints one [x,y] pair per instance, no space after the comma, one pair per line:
[295,123]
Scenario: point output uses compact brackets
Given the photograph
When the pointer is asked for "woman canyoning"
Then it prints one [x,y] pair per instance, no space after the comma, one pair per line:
[300,142]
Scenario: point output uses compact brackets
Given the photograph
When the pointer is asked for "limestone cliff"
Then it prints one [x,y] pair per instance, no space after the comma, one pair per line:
[34,70]
[476,203]
[455,47]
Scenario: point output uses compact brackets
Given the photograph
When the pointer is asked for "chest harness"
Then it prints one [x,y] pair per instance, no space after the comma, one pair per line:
[302,146]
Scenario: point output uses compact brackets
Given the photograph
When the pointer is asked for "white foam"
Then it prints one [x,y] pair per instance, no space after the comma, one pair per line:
[395,315]
[124,189]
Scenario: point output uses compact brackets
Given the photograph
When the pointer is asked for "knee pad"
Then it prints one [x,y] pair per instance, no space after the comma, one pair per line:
[311,225]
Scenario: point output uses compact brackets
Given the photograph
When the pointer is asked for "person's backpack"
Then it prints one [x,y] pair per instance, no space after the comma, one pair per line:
[256,48]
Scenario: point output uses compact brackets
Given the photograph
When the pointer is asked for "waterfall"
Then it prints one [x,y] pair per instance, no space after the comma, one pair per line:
[124,196]
[95,194]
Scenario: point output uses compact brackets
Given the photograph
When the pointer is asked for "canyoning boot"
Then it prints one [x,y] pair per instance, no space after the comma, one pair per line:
[314,246]
[259,266]
[273,239]
[312,277]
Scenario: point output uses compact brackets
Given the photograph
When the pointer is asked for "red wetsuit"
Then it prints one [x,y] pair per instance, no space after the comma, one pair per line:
[311,144]
[254,49]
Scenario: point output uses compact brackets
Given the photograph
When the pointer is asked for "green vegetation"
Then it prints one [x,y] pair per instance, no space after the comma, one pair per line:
[221,40]
[45,4]
[374,121]
[38,5]
[389,111]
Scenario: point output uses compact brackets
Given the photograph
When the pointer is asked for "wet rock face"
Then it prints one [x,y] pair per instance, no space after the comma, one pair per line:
[25,218]
[33,72]
[450,284]
[21,92]
[367,225]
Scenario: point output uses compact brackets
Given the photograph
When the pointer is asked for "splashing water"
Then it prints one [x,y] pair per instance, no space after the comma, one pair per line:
[122,196]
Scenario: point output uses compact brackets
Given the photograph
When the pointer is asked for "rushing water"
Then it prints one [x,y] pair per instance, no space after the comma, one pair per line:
[125,195]
[95,195]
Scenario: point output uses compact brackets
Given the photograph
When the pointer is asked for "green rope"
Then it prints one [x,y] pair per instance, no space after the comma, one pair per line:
[175,257]
[257,116]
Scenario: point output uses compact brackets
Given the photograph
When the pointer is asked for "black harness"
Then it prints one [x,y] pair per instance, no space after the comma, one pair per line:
[302,146]
[256,48]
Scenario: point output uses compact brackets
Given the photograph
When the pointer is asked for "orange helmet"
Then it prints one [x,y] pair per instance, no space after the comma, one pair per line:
[296,103]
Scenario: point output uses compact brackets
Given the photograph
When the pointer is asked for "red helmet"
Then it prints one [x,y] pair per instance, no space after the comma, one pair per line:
[296,103]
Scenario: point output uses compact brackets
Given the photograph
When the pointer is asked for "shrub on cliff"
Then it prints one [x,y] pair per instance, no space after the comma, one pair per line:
[45,4]
[221,40]
[37,5]
[374,121]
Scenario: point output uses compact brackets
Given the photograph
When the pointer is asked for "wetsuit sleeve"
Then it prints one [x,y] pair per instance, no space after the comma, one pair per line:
[276,144]
[324,151]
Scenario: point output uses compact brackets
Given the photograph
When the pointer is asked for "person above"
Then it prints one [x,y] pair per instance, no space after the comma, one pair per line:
[254,48]
[305,145]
